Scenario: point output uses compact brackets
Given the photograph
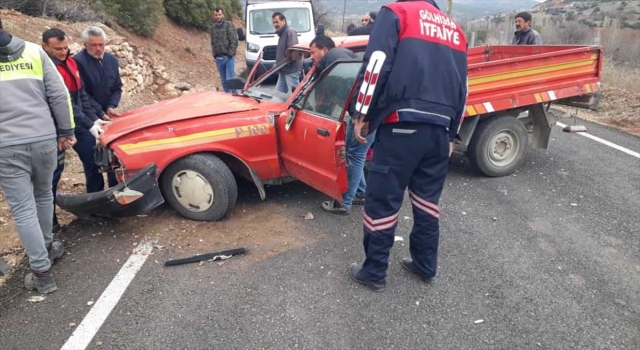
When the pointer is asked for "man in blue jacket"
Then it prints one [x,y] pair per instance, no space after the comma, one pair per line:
[413,92]
[101,80]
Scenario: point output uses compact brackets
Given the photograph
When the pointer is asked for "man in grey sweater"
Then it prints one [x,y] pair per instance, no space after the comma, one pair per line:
[35,109]
[289,76]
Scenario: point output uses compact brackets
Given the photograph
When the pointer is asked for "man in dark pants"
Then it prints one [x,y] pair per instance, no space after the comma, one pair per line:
[88,125]
[101,80]
[35,110]
[224,43]
[323,53]
[413,92]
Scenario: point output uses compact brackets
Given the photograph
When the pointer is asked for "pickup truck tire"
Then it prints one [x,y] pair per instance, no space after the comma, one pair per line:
[498,145]
[200,187]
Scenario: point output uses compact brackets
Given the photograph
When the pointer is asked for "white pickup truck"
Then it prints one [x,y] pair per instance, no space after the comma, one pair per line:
[261,37]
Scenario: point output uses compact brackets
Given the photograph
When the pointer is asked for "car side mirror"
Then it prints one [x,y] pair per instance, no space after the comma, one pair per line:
[235,83]
[320,30]
[241,36]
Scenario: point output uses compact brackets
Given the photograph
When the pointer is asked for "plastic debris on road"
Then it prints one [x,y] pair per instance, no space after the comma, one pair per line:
[308,216]
[36,299]
[398,238]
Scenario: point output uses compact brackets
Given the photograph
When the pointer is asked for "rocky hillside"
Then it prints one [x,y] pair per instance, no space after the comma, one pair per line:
[594,13]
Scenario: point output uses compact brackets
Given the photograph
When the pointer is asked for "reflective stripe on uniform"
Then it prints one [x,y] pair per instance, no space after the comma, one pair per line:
[28,66]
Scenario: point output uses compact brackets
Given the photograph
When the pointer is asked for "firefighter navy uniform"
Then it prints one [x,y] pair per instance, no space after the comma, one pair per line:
[413,92]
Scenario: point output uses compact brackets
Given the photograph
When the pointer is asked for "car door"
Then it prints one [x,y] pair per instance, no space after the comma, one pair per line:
[312,135]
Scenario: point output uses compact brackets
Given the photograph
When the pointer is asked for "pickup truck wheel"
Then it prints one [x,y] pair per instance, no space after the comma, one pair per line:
[498,145]
[200,187]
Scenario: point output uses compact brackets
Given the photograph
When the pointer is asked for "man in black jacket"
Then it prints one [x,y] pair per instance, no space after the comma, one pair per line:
[525,35]
[368,21]
[88,125]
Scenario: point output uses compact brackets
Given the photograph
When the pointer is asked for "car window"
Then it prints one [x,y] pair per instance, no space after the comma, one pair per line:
[329,95]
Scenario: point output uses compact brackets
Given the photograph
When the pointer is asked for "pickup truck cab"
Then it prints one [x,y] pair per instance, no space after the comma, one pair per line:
[189,150]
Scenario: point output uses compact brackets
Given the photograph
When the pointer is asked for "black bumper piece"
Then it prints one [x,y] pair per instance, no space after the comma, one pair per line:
[104,204]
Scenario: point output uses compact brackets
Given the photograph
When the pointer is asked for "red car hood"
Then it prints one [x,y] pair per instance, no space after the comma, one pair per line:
[201,104]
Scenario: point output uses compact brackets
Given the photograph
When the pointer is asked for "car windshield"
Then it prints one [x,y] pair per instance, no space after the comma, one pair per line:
[297,18]
[264,87]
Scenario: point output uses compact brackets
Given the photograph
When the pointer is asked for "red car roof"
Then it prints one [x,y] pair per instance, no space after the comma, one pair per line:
[349,42]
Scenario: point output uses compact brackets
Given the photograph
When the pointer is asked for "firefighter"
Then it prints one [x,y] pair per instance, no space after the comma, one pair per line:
[413,92]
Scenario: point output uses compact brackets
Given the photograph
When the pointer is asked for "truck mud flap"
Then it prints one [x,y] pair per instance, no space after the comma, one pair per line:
[115,201]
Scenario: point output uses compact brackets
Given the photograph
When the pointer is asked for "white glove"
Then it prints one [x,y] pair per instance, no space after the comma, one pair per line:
[96,129]
[101,122]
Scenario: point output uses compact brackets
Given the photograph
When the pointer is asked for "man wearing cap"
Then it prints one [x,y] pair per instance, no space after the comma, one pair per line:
[525,35]
[368,21]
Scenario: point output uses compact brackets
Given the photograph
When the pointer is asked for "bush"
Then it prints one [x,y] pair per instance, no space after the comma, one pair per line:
[199,13]
[73,11]
[140,16]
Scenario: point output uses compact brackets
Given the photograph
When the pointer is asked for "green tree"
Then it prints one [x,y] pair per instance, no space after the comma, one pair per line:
[140,16]
[198,13]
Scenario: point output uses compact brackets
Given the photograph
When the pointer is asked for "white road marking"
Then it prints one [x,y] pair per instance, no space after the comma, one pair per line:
[605,142]
[82,336]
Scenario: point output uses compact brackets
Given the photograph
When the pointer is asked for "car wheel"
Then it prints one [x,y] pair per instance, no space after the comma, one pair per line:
[498,146]
[200,187]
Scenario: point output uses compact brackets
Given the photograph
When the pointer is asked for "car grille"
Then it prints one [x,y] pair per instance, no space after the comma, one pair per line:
[269,53]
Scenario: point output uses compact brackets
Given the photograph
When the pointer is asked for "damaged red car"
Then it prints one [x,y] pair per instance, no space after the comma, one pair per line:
[187,151]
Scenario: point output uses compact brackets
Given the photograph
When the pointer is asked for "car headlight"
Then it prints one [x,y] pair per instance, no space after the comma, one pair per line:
[253,47]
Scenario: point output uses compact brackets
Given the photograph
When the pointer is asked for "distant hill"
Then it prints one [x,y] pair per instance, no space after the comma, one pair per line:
[481,8]
[593,13]
[473,8]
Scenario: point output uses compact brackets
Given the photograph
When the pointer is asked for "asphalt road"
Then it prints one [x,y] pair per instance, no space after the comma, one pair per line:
[548,258]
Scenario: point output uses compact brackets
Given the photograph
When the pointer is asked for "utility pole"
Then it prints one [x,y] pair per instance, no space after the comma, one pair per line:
[449,6]
[344,12]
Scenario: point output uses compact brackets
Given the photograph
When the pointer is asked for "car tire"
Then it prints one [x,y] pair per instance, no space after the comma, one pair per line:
[200,187]
[498,146]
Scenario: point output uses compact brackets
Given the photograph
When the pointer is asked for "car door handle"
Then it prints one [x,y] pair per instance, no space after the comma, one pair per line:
[323,132]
